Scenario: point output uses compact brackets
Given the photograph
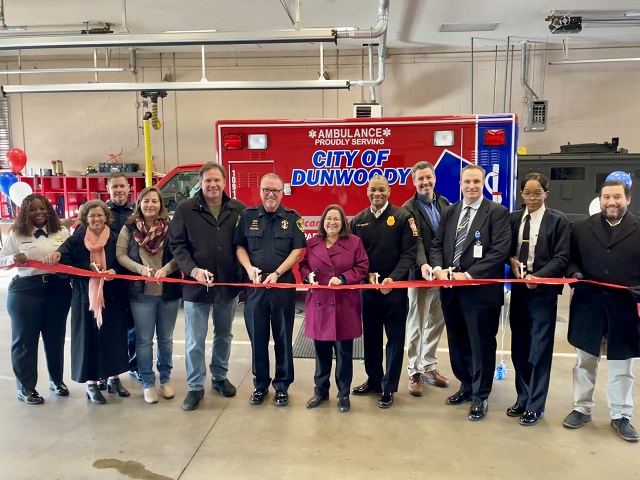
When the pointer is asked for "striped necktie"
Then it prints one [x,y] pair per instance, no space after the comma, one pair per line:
[461,235]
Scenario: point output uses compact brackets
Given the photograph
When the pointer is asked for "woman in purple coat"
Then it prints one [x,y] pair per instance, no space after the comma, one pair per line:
[333,318]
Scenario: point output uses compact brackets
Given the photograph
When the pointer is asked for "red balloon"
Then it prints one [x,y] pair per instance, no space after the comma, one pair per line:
[16,159]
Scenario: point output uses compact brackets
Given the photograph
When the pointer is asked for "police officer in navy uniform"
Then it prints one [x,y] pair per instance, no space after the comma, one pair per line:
[269,240]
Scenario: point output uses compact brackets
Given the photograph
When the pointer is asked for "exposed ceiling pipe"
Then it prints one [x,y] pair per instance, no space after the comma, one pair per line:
[523,70]
[180,86]
[46,40]
[123,27]
[22,71]
[595,60]
[286,36]
[372,32]
[372,89]
[133,60]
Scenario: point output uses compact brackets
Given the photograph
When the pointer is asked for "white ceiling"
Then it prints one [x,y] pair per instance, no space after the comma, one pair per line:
[413,23]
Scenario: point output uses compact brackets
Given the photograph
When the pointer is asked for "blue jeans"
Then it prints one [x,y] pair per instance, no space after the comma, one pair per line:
[153,315]
[196,327]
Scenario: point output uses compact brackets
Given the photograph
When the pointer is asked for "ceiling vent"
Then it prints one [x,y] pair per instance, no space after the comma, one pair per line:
[367,110]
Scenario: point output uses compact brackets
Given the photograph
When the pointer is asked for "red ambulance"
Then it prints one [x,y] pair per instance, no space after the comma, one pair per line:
[328,161]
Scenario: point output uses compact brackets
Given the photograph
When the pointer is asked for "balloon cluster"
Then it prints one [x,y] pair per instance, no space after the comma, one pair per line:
[9,184]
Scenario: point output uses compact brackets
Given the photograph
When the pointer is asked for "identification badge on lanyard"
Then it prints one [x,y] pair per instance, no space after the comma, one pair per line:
[477,248]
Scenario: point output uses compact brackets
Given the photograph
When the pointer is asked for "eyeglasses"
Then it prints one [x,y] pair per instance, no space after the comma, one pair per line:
[535,195]
[93,217]
[267,191]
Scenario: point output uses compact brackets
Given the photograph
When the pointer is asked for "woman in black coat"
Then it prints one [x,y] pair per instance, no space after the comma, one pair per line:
[98,326]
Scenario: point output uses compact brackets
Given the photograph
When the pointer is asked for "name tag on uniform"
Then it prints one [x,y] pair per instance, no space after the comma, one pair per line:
[477,251]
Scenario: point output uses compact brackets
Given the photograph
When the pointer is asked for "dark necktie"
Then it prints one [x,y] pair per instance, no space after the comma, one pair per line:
[40,233]
[524,247]
[461,235]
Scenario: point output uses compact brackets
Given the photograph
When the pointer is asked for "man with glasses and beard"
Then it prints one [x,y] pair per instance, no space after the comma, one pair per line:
[603,320]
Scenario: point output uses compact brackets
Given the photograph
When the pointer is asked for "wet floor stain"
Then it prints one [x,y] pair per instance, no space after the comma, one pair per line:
[129,468]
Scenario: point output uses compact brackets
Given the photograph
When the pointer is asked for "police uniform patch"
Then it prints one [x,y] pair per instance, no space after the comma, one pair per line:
[285,224]
[391,221]
[414,229]
[58,238]
[299,225]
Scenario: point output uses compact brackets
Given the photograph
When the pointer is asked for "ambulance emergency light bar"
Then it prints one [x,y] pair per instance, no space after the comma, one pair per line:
[179,86]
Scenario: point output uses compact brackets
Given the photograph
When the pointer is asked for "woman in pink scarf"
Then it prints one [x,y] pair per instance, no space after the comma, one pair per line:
[98,327]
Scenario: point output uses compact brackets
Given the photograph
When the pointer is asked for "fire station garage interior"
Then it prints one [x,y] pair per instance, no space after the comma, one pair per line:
[330,88]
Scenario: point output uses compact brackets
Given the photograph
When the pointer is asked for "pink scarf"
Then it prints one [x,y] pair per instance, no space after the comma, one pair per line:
[95,244]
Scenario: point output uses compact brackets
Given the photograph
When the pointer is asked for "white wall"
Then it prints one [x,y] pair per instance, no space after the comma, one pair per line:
[587,103]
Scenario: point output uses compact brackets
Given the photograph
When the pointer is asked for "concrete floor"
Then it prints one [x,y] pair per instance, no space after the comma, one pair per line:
[68,438]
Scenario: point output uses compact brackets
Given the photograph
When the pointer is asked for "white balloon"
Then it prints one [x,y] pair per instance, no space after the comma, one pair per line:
[594,206]
[19,191]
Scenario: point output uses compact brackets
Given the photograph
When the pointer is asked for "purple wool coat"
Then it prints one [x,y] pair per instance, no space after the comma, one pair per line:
[332,315]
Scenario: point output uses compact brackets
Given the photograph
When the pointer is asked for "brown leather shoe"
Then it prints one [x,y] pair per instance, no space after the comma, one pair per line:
[415,385]
[434,378]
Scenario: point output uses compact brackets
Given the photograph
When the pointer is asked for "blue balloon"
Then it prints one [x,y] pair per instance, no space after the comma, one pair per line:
[6,180]
[624,177]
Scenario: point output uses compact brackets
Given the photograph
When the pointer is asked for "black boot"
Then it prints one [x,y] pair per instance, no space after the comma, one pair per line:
[94,394]
[115,386]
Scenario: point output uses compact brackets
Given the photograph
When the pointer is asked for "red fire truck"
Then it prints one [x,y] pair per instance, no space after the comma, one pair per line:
[329,161]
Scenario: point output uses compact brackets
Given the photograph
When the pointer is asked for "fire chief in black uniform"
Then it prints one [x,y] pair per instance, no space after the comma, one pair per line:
[390,237]
[269,240]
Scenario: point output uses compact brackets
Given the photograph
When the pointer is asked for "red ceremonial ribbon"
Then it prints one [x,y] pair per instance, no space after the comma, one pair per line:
[66,269]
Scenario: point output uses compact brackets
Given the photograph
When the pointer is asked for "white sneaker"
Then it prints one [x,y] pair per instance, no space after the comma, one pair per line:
[167,391]
[150,395]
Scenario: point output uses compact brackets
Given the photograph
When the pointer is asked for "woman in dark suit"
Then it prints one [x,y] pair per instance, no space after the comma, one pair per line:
[539,248]
[333,318]
[38,302]
[98,325]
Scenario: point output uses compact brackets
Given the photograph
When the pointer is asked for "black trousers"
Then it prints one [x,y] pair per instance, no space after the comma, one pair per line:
[533,327]
[386,313]
[472,344]
[344,366]
[38,307]
[266,311]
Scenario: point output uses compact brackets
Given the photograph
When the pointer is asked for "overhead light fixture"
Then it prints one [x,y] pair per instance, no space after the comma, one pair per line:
[190,31]
[4,28]
[180,86]
[61,70]
[468,27]
[632,14]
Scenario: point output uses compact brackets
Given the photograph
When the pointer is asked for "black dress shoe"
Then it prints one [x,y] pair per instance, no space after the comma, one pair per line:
[282,398]
[529,419]
[223,387]
[478,409]
[102,384]
[459,398]
[258,396]
[386,400]
[94,394]
[316,400]
[365,389]
[192,400]
[516,410]
[59,388]
[344,404]
[29,396]
[115,386]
